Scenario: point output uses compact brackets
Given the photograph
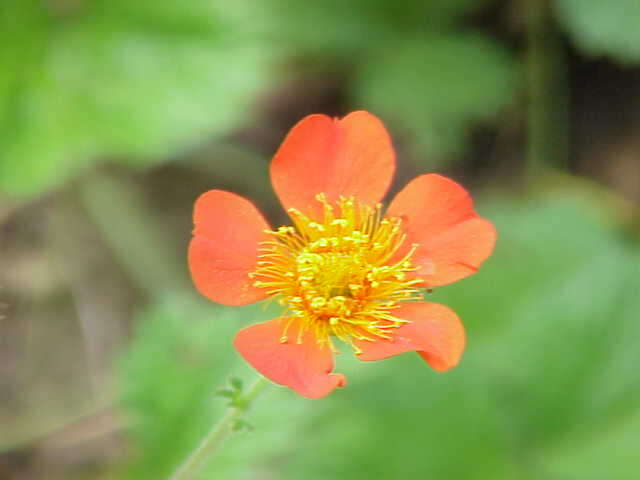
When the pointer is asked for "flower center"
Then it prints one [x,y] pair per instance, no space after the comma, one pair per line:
[342,276]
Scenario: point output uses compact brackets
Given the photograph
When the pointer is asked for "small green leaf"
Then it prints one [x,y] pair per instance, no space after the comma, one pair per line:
[241,424]
[236,383]
[226,393]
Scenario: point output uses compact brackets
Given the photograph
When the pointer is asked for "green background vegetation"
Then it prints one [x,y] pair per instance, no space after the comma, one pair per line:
[116,115]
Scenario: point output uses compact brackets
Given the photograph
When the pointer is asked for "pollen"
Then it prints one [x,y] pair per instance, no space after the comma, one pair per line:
[340,277]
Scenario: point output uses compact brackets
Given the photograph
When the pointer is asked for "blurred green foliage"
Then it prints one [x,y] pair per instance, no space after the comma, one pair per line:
[436,86]
[339,28]
[81,80]
[603,28]
[415,62]
[548,380]
[135,82]
[179,357]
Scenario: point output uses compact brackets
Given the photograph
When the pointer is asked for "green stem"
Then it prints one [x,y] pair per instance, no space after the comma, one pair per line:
[218,433]
[547,88]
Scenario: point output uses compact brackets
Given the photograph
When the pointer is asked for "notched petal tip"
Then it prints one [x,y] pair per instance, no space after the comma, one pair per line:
[433,330]
[303,366]
[438,215]
[224,250]
[350,156]
[438,364]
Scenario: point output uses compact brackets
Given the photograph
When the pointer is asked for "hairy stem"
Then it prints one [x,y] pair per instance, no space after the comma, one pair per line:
[218,433]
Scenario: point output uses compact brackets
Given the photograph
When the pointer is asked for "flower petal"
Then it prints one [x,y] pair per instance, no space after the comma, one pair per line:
[224,248]
[352,156]
[438,215]
[434,331]
[302,366]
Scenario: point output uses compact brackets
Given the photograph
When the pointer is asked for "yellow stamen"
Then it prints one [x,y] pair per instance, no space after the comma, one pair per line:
[341,277]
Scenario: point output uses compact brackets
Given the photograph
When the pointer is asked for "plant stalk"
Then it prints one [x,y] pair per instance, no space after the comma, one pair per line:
[547,122]
[218,433]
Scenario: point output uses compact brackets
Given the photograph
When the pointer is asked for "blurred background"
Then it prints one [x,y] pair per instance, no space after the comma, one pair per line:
[115,115]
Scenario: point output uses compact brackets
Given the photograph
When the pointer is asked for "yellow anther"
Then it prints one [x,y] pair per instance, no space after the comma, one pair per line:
[318,302]
[334,274]
[340,222]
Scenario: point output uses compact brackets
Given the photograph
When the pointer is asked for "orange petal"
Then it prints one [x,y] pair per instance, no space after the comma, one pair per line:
[224,248]
[434,331]
[304,367]
[438,215]
[352,156]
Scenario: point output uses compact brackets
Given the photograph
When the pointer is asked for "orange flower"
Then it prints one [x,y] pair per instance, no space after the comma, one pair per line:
[343,270]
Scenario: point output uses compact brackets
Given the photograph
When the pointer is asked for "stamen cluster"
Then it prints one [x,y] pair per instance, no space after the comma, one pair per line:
[342,276]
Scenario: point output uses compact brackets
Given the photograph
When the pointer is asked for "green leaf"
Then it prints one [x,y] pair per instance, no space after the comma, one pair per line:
[552,358]
[236,384]
[226,393]
[240,425]
[338,28]
[603,28]
[129,80]
[612,453]
[540,240]
[435,87]
[556,308]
